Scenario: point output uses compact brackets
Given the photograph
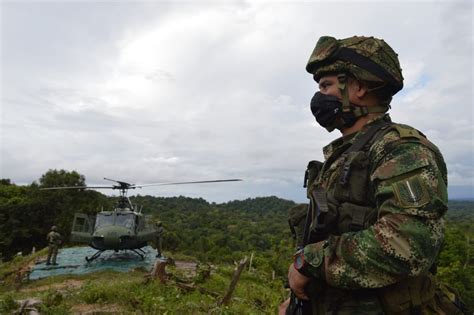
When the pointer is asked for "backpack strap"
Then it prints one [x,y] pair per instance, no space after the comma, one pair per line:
[374,128]
[374,132]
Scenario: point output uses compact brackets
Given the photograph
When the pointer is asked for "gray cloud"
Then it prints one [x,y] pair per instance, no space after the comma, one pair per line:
[149,92]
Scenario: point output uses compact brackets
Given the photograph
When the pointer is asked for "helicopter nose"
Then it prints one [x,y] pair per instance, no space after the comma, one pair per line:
[112,237]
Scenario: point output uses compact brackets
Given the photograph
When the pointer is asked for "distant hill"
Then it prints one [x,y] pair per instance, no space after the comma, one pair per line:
[225,232]
[460,210]
[259,204]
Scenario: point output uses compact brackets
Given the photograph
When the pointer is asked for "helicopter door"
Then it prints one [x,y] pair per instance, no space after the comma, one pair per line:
[82,228]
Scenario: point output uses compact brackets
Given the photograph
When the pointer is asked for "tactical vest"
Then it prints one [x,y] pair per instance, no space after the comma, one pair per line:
[348,205]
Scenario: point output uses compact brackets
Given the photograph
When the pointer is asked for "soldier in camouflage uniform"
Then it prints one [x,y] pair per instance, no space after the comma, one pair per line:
[159,239]
[375,225]
[54,240]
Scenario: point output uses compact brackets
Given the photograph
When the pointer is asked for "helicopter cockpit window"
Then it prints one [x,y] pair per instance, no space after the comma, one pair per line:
[104,219]
[127,220]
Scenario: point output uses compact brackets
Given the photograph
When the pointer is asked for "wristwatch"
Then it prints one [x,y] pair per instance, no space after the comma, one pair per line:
[301,265]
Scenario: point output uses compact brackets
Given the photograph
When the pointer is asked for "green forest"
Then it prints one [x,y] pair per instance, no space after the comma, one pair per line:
[210,232]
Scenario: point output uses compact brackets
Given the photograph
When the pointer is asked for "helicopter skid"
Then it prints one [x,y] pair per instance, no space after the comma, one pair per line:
[95,256]
[141,253]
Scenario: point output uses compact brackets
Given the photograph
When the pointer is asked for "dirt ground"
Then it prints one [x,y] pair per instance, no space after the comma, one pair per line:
[67,285]
[186,266]
[95,309]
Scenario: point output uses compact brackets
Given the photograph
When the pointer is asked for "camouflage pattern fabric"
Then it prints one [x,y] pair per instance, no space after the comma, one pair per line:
[159,238]
[408,188]
[54,240]
[297,218]
[324,59]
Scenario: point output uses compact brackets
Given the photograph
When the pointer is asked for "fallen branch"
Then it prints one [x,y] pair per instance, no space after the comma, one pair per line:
[159,272]
[28,306]
[235,278]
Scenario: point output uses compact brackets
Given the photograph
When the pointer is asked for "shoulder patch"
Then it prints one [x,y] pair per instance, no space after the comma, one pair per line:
[407,131]
[411,192]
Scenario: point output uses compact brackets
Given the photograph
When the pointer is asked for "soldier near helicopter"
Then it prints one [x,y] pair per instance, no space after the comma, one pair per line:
[54,240]
[124,228]
[375,222]
[159,239]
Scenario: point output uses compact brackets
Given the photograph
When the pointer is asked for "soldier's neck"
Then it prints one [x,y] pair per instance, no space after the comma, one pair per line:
[360,123]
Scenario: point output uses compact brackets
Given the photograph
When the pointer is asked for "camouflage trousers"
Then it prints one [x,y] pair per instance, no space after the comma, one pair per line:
[395,301]
[347,302]
[159,245]
[52,253]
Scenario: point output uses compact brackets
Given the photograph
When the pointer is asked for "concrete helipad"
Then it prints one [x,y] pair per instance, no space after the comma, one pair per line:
[72,261]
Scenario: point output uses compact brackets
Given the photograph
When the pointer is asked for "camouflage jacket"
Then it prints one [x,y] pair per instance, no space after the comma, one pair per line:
[407,186]
[54,238]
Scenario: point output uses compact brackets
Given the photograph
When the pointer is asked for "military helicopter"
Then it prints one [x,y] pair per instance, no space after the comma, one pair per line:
[123,228]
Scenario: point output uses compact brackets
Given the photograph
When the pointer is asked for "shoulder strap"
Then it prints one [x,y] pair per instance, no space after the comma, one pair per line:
[365,140]
[376,127]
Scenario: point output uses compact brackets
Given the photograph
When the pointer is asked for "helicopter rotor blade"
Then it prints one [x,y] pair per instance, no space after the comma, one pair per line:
[77,187]
[126,186]
[119,182]
[193,182]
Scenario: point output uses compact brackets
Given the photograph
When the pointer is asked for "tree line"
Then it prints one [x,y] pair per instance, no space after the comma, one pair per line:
[211,232]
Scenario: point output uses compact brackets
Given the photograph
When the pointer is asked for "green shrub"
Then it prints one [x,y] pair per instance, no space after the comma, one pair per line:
[7,304]
[104,292]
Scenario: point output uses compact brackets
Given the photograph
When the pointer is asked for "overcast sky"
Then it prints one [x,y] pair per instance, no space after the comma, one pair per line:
[150,92]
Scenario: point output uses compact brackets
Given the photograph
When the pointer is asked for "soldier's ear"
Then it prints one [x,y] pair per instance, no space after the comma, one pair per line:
[357,88]
[361,89]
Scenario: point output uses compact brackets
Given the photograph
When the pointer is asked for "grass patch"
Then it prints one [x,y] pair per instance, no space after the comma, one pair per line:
[256,293]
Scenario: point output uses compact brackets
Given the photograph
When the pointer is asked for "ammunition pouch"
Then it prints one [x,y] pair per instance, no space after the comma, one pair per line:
[312,171]
[334,218]
[296,222]
[421,295]
[325,219]
[353,179]
[414,295]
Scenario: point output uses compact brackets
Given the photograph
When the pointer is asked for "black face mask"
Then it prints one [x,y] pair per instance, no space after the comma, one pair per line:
[327,109]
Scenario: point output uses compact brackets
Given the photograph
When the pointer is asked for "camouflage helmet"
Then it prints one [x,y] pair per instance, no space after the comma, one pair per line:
[367,58]
[54,228]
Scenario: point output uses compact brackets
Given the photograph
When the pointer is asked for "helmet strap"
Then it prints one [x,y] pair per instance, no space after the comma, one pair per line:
[357,111]
[360,111]
[381,86]
[343,87]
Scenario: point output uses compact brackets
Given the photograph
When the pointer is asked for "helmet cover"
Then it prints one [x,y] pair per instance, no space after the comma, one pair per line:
[366,58]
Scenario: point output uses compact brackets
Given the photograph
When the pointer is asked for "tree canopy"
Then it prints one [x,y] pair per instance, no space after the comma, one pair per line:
[209,231]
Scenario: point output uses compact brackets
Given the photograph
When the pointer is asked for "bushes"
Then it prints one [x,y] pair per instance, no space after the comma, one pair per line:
[455,266]
[104,292]
[7,304]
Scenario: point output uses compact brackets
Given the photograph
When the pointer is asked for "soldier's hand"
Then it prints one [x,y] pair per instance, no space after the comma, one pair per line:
[283,307]
[298,283]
